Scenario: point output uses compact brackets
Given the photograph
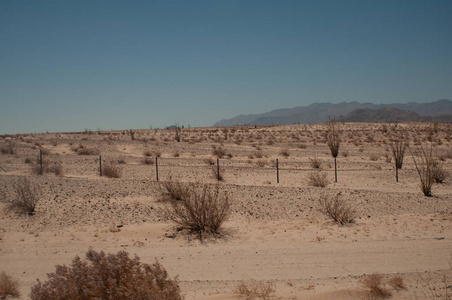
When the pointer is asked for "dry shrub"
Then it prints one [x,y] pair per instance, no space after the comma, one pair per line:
[315,163]
[112,276]
[209,161]
[375,287]
[318,179]
[147,153]
[256,290]
[9,287]
[9,148]
[55,168]
[438,172]
[396,283]
[83,150]
[424,167]
[121,161]
[218,152]
[337,209]
[374,157]
[148,161]
[199,208]
[111,170]
[284,152]
[25,199]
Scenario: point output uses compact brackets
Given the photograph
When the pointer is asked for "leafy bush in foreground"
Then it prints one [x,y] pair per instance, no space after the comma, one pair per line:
[112,276]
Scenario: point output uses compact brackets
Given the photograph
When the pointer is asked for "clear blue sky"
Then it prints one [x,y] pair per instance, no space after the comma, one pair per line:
[71,65]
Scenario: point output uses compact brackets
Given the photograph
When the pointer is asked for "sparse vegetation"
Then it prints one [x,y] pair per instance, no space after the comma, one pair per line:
[199,208]
[9,287]
[9,148]
[337,209]
[424,167]
[376,287]
[284,152]
[318,179]
[439,174]
[399,146]
[332,137]
[111,170]
[315,163]
[256,290]
[81,149]
[112,276]
[26,198]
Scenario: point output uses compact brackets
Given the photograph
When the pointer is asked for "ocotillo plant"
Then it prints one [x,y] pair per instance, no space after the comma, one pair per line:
[398,145]
[333,141]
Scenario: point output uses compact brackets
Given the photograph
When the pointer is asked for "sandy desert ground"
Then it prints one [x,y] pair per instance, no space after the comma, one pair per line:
[276,233]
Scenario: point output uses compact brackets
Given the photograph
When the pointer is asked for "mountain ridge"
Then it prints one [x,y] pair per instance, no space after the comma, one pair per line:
[317,112]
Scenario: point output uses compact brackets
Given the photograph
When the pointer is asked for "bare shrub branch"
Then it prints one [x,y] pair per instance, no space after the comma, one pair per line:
[399,145]
[424,167]
[25,200]
[8,286]
[375,285]
[337,209]
[111,170]
[199,208]
[113,276]
[318,179]
[256,289]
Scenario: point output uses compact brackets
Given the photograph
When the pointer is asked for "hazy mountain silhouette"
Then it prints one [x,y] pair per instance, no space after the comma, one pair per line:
[390,114]
[317,113]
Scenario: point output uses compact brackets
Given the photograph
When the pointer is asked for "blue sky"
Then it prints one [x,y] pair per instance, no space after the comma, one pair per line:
[71,65]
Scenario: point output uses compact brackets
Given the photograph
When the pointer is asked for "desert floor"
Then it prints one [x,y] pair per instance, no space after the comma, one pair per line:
[276,233]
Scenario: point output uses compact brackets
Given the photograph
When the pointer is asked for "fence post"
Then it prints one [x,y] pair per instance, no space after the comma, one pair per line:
[40,160]
[218,169]
[396,171]
[100,166]
[156,169]
[335,170]
[277,171]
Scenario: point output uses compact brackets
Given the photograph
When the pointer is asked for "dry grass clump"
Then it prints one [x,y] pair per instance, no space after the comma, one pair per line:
[9,148]
[199,208]
[318,179]
[218,151]
[396,283]
[147,153]
[284,152]
[337,209]
[315,163]
[438,172]
[376,287]
[55,168]
[148,160]
[111,170]
[256,290]
[25,200]
[83,150]
[9,287]
[112,276]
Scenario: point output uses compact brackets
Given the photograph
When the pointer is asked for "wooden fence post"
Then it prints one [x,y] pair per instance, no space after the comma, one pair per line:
[218,169]
[277,171]
[156,169]
[100,166]
[40,160]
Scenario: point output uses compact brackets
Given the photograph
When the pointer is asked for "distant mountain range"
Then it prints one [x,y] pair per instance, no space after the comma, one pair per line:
[438,111]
